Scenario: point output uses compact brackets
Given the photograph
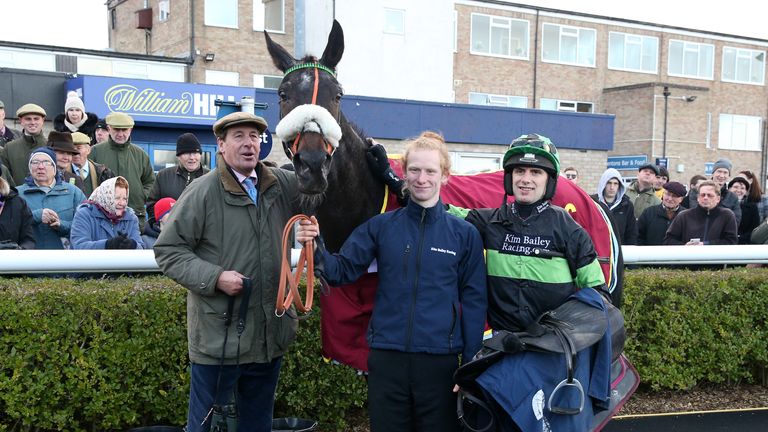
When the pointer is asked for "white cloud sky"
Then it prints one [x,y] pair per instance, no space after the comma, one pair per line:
[84,23]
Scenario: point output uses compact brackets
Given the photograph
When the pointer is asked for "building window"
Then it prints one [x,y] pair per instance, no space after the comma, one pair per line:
[164,10]
[221,13]
[739,132]
[222,78]
[269,15]
[470,163]
[267,81]
[743,65]
[633,52]
[498,100]
[565,105]
[570,45]
[691,60]
[499,36]
[394,21]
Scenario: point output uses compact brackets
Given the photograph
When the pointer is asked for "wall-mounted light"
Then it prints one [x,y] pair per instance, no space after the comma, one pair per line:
[209,57]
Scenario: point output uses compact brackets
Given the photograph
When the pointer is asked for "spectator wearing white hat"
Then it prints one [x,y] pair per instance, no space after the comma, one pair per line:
[75,118]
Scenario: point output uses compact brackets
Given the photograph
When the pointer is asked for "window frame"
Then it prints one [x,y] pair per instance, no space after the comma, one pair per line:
[258,80]
[261,17]
[526,42]
[757,145]
[752,53]
[686,48]
[579,30]
[458,156]
[624,35]
[221,73]
[490,96]
[561,105]
[385,29]
[220,5]
[163,10]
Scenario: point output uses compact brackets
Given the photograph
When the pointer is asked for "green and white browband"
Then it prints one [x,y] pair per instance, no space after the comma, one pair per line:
[308,66]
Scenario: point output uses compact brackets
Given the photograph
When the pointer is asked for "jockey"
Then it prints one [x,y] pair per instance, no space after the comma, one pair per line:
[537,257]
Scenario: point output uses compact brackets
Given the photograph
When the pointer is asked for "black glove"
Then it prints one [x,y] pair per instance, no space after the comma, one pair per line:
[378,163]
[115,242]
[125,242]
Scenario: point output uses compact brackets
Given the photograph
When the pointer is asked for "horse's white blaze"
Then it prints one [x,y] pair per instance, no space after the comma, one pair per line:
[309,118]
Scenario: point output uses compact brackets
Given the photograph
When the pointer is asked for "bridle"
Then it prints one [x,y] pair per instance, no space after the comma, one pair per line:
[329,149]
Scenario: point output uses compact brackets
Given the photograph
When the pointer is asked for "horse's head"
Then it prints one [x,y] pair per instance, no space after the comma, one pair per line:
[310,99]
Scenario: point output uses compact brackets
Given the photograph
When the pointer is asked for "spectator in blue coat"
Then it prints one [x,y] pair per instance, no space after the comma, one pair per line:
[105,221]
[52,201]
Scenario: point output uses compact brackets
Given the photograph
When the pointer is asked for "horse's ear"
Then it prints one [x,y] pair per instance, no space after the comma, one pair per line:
[335,47]
[280,57]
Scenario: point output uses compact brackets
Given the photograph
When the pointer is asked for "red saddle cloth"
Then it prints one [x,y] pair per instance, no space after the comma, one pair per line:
[346,311]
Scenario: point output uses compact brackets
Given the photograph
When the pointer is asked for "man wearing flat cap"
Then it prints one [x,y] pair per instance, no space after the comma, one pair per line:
[61,143]
[15,154]
[127,160]
[641,191]
[172,181]
[6,134]
[655,220]
[92,173]
[226,227]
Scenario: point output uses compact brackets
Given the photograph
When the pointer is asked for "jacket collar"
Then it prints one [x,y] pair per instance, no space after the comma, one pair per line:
[119,147]
[230,183]
[430,214]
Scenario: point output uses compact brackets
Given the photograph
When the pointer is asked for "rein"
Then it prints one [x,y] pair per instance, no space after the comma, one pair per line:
[316,66]
[292,296]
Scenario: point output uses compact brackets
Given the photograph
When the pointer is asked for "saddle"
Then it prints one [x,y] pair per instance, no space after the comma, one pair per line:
[566,330]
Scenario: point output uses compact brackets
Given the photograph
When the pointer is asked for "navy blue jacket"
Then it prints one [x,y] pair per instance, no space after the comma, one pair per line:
[432,294]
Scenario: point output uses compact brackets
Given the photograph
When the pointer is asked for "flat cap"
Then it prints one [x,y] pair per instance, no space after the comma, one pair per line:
[676,188]
[120,120]
[238,118]
[30,108]
[80,138]
[651,167]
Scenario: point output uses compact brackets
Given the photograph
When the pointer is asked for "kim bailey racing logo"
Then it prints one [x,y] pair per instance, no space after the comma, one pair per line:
[523,244]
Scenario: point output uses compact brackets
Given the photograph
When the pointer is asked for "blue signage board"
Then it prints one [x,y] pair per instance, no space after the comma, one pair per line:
[155,102]
[627,162]
[709,168]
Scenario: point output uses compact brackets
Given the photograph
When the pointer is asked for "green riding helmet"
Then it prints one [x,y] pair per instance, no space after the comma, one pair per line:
[532,150]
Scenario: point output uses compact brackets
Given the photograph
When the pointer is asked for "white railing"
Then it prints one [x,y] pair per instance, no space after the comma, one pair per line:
[142,261]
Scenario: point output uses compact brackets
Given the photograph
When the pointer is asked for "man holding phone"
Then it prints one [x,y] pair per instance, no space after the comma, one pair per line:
[704,224]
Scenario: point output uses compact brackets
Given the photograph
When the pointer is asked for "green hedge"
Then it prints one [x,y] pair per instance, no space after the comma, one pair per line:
[685,328]
[100,355]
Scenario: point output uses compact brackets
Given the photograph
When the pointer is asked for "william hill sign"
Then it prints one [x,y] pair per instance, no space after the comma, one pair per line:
[155,101]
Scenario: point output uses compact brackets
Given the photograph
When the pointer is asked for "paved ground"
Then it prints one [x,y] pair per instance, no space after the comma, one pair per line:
[712,421]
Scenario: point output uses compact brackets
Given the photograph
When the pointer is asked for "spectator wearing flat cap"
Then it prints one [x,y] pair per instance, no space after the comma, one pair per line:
[721,173]
[127,160]
[16,228]
[52,201]
[641,191]
[6,134]
[225,227]
[171,181]
[61,144]
[92,173]
[75,118]
[101,132]
[750,216]
[655,220]
[15,154]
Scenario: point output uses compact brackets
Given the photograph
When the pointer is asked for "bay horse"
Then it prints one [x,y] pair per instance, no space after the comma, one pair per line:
[328,156]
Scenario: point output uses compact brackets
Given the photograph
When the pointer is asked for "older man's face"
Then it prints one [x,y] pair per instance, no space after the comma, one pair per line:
[120,135]
[708,197]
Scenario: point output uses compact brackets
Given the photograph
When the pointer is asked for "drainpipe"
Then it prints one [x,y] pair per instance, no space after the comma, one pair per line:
[535,57]
[192,50]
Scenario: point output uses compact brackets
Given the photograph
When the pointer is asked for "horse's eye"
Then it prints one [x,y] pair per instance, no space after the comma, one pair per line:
[282,95]
[338,96]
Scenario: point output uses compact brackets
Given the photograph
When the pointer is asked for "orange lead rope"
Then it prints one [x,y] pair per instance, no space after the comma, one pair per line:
[292,296]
